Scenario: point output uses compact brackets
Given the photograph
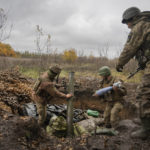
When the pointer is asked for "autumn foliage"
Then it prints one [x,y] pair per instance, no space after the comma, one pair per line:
[6,50]
[70,55]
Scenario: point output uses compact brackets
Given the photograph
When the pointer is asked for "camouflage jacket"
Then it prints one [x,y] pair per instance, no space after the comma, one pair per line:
[138,42]
[113,96]
[45,88]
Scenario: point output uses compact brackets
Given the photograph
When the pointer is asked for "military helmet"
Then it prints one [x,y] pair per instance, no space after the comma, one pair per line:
[104,71]
[55,69]
[58,123]
[130,13]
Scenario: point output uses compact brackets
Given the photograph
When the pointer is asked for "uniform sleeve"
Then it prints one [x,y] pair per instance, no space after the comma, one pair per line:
[134,41]
[51,89]
[101,84]
[122,89]
[58,93]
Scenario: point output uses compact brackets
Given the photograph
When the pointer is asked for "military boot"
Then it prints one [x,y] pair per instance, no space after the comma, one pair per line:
[108,125]
[140,133]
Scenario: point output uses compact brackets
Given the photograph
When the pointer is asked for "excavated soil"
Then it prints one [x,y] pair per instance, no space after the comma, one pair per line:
[19,132]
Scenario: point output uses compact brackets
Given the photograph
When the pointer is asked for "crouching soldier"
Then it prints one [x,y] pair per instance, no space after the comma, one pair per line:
[114,98]
[44,91]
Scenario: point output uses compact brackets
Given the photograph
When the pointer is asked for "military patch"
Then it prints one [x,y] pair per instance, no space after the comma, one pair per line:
[129,37]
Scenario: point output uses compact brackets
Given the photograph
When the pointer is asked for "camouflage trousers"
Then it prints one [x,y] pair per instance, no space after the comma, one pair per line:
[41,108]
[143,97]
[111,112]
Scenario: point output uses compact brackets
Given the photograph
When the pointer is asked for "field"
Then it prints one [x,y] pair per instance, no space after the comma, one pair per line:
[17,77]
[32,67]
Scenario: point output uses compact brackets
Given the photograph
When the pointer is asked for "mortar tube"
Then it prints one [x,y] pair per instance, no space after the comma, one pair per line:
[70,106]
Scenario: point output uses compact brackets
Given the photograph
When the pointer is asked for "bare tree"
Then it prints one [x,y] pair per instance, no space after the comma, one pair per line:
[118,50]
[103,55]
[43,43]
[48,44]
[4,33]
[103,51]
[39,46]
[48,48]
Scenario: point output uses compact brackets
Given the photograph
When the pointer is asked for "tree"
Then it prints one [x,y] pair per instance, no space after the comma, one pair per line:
[43,42]
[70,56]
[6,50]
[4,26]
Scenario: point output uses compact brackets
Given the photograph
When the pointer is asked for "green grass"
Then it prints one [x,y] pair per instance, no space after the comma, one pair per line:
[135,79]
[33,73]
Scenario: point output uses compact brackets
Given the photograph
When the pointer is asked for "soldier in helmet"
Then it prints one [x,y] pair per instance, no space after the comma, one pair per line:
[138,46]
[114,99]
[138,42]
[44,91]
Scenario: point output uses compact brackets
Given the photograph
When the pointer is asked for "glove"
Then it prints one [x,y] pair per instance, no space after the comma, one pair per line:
[119,68]
[142,66]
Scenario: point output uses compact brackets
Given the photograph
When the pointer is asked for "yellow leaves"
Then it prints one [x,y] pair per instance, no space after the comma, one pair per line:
[5,107]
[6,50]
[70,55]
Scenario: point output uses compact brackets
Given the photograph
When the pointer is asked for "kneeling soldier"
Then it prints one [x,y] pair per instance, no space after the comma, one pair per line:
[114,98]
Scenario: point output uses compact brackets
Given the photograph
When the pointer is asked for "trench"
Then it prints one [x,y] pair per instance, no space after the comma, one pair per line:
[21,132]
[85,102]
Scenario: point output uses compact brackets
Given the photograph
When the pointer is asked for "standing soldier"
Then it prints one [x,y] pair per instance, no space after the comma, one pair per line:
[138,46]
[114,98]
[44,91]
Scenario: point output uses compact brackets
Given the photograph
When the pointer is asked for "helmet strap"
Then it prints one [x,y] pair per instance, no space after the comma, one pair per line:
[57,78]
[51,75]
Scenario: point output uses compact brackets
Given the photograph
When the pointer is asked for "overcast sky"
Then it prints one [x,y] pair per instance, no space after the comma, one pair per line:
[86,25]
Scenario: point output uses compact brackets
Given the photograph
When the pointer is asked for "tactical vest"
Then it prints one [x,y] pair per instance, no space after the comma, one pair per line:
[104,84]
[37,85]
[143,54]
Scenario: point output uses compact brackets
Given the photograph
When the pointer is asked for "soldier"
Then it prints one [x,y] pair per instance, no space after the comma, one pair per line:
[138,46]
[114,99]
[44,91]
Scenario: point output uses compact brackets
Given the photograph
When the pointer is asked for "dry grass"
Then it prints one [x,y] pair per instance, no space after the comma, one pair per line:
[32,67]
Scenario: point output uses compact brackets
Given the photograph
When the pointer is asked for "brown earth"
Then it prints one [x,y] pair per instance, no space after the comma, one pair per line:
[23,133]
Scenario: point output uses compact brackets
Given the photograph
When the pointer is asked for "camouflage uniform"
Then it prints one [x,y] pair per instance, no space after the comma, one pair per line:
[114,101]
[138,42]
[138,45]
[57,126]
[144,99]
[44,91]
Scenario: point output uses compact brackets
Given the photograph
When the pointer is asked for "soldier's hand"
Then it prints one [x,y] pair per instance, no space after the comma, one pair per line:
[115,88]
[119,68]
[68,95]
[57,85]
[142,66]
[95,95]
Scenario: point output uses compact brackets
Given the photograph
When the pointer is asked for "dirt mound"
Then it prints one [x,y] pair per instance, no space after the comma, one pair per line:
[23,133]
[15,90]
